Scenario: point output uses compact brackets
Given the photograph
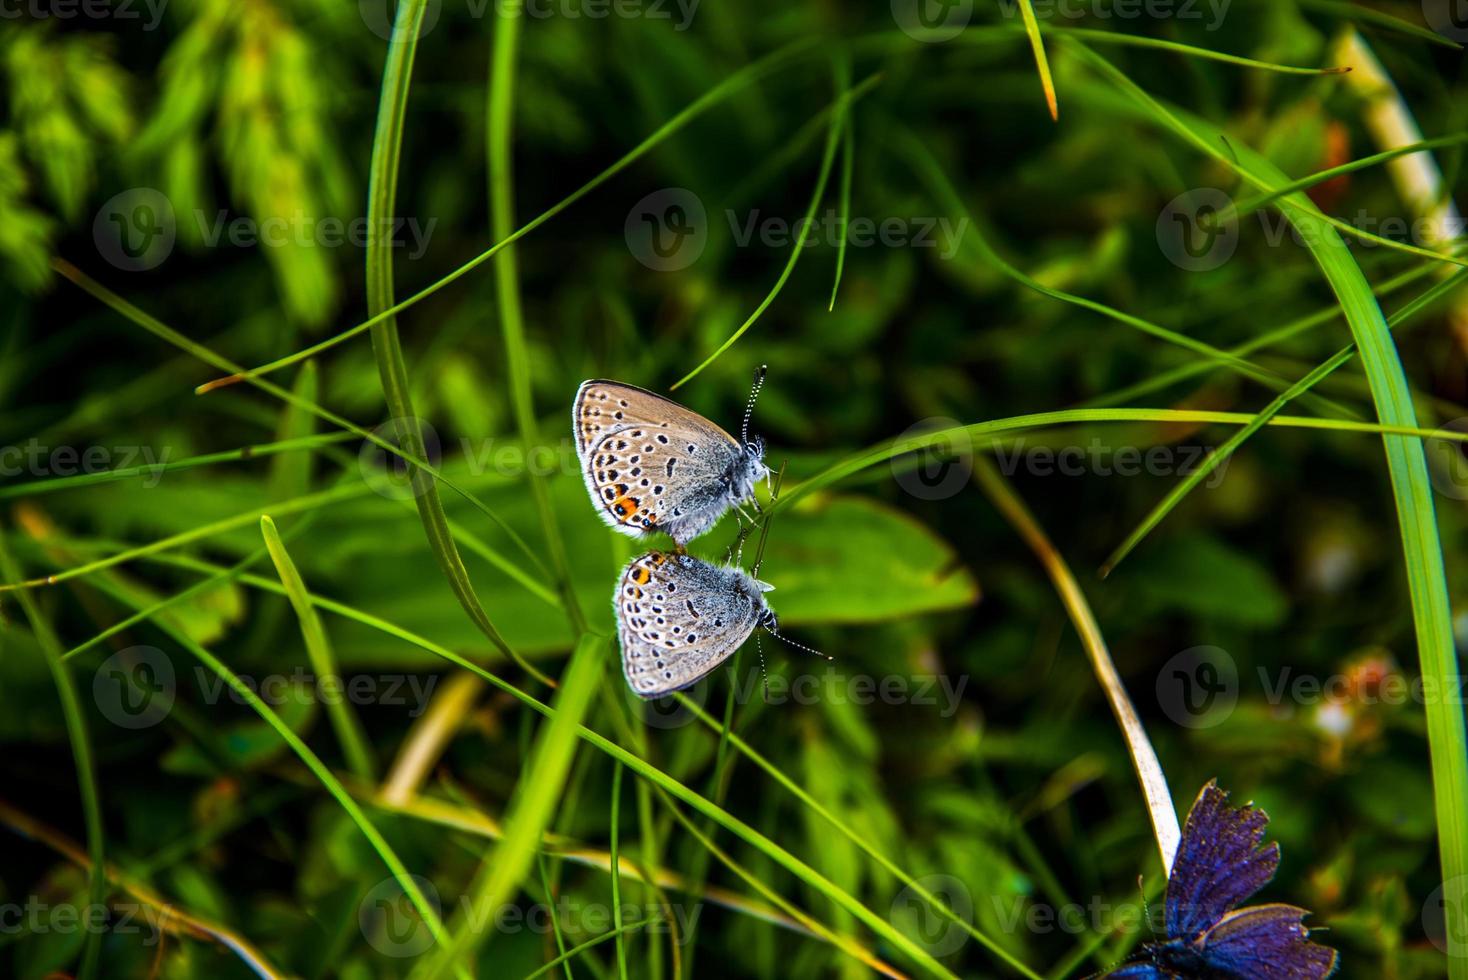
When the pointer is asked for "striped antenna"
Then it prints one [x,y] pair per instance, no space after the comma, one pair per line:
[759,382]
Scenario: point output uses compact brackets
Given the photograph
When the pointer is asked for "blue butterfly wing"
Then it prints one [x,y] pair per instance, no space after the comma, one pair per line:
[1136,971]
[1220,863]
[1267,942]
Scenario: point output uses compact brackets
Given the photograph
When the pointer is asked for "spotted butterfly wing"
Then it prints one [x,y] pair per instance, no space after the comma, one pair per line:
[679,617]
[649,463]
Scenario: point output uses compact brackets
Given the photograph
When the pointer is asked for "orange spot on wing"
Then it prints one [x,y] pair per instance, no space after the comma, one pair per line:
[641,576]
[625,508]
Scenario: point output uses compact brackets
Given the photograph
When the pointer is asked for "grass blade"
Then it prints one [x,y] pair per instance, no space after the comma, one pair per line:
[348,727]
[75,720]
[1037,45]
[1411,488]
[533,805]
[1223,452]
[617,872]
[509,17]
[828,156]
[1144,758]
[387,347]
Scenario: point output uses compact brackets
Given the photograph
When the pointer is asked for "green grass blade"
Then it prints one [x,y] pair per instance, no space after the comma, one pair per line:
[1042,64]
[344,719]
[926,166]
[1411,489]
[392,369]
[1160,808]
[532,806]
[729,86]
[1223,452]
[617,871]
[156,470]
[847,151]
[509,17]
[1379,18]
[828,156]
[670,784]
[319,769]
[169,335]
[75,720]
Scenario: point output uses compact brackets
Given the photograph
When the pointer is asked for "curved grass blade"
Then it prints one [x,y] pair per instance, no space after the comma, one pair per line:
[1411,487]
[847,152]
[644,769]
[1165,826]
[387,347]
[170,917]
[169,335]
[1321,176]
[348,726]
[736,82]
[156,470]
[828,156]
[1216,458]
[75,721]
[1380,18]
[318,769]
[509,16]
[897,447]
[532,806]
[922,161]
[986,34]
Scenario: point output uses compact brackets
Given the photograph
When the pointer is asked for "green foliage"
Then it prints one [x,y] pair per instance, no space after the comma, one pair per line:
[955,770]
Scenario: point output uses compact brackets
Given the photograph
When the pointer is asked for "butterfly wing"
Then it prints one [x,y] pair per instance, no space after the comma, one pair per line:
[1138,971]
[678,618]
[1269,942]
[1219,864]
[649,463]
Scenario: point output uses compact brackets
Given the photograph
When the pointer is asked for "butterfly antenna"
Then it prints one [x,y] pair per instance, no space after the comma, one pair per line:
[759,382]
[760,648]
[1146,909]
[759,555]
[799,646]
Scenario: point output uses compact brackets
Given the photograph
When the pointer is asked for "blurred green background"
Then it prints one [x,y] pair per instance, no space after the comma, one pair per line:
[210,163]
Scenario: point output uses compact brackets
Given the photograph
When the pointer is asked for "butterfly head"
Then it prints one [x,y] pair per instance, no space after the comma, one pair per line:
[747,469]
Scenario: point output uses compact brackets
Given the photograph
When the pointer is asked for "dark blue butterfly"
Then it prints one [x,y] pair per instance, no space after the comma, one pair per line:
[1219,864]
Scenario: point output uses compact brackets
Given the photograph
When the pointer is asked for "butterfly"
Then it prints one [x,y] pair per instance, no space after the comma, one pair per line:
[652,465]
[1220,864]
[679,617]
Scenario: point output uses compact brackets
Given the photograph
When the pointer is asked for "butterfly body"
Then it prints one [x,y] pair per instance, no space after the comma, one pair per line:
[653,465]
[1221,862]
[680,617]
